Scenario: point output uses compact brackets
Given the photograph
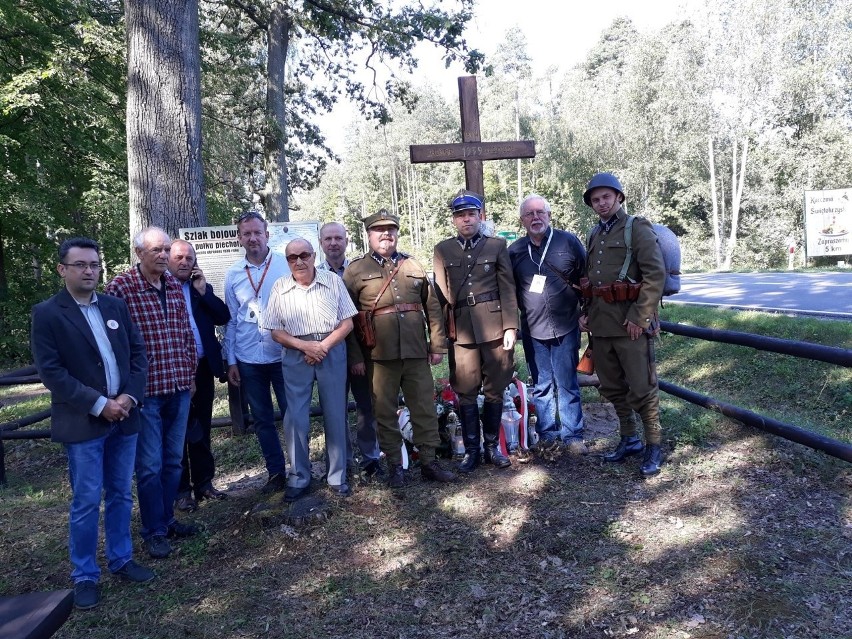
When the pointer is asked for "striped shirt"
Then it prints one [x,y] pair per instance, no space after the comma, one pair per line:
[318,307]
[168,336]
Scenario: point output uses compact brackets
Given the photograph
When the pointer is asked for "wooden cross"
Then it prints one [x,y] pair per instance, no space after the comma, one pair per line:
[472,151]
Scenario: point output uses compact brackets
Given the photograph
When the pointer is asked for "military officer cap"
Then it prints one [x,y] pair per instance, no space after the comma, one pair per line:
[466,201]
[382,217]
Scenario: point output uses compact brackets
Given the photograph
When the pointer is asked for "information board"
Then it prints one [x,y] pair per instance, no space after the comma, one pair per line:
[217,247]
[828,222]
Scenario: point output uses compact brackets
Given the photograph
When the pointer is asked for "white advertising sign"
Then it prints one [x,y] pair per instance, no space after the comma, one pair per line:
[828,222]
[217,247]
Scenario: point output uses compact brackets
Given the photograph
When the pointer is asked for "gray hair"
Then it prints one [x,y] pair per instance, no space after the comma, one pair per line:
[139,238]
[534,196]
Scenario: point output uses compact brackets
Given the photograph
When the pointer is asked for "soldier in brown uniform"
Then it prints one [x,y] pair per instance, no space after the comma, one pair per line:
[474,274]
[622,317]
[402,354]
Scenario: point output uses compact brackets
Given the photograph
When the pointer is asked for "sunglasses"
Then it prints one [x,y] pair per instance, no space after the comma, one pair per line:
[295,257]
[250,215]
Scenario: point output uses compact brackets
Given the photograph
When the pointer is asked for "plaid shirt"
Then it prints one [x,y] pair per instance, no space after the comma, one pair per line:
[168,340]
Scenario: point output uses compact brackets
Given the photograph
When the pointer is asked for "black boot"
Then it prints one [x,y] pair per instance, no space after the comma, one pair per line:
[628,446]
[491,416]
[469,419]
[652,460]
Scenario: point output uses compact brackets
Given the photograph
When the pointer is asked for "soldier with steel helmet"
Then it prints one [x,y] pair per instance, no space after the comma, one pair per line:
[474,274]
[405,308]
[621,299]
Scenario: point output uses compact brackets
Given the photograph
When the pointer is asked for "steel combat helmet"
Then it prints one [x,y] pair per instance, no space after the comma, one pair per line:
[603,179]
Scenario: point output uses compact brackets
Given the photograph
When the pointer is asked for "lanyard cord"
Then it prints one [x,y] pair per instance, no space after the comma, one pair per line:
[256,289]
[543,254]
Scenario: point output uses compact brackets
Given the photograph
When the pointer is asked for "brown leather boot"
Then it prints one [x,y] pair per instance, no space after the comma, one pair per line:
[433,471]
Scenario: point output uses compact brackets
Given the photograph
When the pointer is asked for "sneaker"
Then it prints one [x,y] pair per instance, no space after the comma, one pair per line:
[131,571]
[577,447]
[275,484]
[177,529]
[158,547]
[186,503]
[374,470]
[86,595]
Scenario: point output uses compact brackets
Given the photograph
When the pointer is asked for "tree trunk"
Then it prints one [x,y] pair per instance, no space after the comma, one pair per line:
[717,241]
[275,193]
[737,197]
[165,173]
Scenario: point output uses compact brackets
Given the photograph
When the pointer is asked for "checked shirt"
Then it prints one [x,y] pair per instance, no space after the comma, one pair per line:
[168,337]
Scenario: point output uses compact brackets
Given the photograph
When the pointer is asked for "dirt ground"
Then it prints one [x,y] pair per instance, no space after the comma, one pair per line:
[745,536]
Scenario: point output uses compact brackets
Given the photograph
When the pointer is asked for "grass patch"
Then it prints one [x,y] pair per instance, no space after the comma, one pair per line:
[813,395]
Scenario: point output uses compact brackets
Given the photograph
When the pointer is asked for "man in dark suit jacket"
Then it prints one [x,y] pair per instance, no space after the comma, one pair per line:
[91,357]
[206,313]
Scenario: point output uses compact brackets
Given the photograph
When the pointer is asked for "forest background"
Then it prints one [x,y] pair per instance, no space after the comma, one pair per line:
[716,123]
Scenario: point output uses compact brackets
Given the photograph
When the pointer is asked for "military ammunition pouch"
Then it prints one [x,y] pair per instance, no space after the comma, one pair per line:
[617,292]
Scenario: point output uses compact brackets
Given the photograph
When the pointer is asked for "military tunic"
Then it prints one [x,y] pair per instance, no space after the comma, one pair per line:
[465,272]
[400,357]
[626,367]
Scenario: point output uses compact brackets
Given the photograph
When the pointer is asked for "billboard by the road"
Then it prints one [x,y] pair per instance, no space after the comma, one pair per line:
[828,222]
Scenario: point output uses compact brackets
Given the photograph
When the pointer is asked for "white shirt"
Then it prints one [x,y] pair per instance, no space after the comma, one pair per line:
[319,307]
[248,341]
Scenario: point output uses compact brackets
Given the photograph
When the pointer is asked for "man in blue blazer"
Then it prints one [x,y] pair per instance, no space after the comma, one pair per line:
[92,358]
[206,313]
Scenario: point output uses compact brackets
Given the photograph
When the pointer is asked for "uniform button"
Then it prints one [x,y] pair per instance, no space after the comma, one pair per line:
[599,262]
[397,297]
[600,252]
[401,315]
[470,283]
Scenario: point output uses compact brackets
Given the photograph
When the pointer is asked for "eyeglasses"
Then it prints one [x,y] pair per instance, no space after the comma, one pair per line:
[295,257]
[82,266]
[531,214]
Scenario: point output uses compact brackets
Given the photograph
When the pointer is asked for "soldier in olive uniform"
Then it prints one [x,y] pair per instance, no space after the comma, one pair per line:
[402,354]
[624,329]
[474,274]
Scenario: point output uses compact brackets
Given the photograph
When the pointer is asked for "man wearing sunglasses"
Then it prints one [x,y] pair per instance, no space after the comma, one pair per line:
[254,358]
[309,314]
[91,356]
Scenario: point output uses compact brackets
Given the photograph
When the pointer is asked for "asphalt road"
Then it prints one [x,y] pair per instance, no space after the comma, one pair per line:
[828,294]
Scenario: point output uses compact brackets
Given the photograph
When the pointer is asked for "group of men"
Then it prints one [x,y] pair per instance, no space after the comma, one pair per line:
[132,372]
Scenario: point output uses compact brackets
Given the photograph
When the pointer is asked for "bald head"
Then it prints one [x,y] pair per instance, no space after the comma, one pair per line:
[333,240]
[181,260]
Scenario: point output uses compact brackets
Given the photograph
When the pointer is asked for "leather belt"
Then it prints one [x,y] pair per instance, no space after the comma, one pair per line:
[397,308]
[313,337]
[473,300]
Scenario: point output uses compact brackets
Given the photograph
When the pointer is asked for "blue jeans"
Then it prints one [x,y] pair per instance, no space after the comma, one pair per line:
[556,392]
[102,465]
[255,380]
[158,459]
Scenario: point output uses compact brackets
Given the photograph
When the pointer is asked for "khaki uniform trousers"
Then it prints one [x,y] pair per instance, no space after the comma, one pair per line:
[623,369]
[414,377]
[480,365]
